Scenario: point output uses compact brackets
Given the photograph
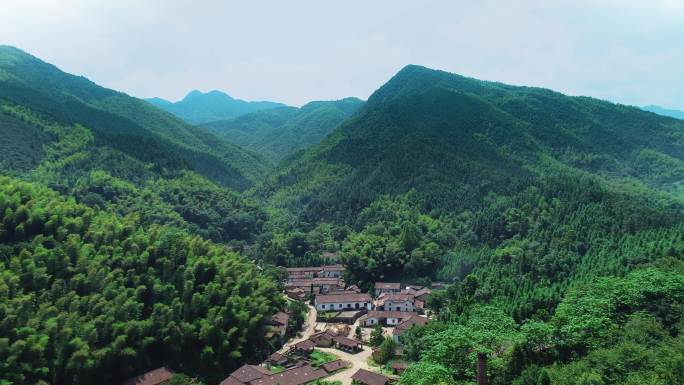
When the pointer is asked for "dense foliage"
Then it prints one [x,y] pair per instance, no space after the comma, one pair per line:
[90,297]
[278,133]
[610,331]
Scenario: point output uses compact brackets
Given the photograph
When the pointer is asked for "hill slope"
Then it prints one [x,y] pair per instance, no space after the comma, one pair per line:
[198,107]
[277,133]
[426,129]
[31,87]
[440,176]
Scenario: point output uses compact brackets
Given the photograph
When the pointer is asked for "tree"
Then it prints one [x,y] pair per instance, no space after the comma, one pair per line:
[426,373]
[359,333]
[376,336]
[386,350]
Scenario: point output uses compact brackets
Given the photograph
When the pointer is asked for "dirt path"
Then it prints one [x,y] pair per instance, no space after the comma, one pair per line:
[358,361]
[308,329]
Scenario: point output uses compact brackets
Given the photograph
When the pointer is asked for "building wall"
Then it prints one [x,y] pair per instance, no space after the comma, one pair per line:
[399,306]
[343,306]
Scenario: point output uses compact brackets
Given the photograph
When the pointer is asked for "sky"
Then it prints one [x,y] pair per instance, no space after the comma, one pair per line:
[626,51]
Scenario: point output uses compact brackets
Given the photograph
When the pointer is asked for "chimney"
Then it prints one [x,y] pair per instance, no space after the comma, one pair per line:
[481,369]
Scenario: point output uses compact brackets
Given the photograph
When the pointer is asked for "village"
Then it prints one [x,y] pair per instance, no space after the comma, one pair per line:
[335,343]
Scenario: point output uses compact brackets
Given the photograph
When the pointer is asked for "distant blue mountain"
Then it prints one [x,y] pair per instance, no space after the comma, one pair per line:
[198,107]
[664,111]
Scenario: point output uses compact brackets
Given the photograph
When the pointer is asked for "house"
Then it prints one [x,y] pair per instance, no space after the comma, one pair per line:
[347,344]
[387,287]
[365,377]
[309,272]
[277,359]
[294,376]
[316,285]
[334,366]
[353,289]
[246,374]
[298,273]
[406,324]
[420,293]
[381,317]
[256,375]
[305,347]
[396,302]
[153,377]
[346,301]
[324,339]
[399,367]
[296,293]
[279,323]
[331,271]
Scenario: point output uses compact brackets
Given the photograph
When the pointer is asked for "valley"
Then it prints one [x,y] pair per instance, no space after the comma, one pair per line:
[445,230]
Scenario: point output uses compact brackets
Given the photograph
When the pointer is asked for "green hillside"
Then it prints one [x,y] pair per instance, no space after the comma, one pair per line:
[197,107]
[129,125]
[525,184]
[112,151]
[557,221]
[277,133]
[88,297]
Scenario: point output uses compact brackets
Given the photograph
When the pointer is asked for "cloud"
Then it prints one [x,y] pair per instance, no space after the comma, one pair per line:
[625,51]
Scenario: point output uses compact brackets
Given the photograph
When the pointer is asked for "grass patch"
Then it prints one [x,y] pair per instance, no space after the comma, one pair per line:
[277,368]
[319,358]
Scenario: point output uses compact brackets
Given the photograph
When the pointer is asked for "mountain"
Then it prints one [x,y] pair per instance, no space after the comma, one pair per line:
[664,111]
[198,107]
[109,213]
[428,129]
[439,175]
[277,133]
[37,97]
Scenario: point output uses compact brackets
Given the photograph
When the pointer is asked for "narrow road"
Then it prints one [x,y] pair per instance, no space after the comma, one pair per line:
[358,361]
[308,329]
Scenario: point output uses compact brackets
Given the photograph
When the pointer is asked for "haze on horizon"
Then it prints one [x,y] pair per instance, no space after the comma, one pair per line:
[293,52]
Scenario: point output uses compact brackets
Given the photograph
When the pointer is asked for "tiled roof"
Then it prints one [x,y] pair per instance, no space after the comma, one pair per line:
[280,318]
[305,345]
[369,378]
[245,374]
[406,324]
[293,376]
[347,342]
[153,377]
[334,365]
[341,298]
[387,285]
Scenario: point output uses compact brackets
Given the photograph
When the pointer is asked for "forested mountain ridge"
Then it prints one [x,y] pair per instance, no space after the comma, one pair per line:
[277,133]
[112,151]
[467,127]
[524,186]
[118,121]
[197,107]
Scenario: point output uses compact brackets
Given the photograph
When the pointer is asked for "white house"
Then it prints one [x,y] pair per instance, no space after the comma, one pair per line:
[344,301]
[396,302]
[388,318]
